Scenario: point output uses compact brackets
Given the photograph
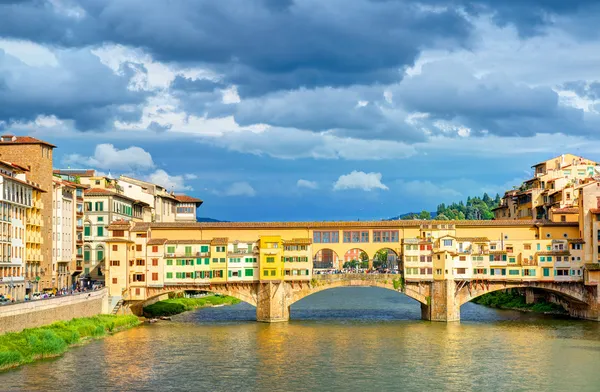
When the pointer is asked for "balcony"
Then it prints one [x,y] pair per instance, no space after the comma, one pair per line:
[79,214]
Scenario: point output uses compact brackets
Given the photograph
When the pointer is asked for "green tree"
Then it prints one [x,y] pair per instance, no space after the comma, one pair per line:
[425,215]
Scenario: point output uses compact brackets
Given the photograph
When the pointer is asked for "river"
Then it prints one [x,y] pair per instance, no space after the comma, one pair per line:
[363,339]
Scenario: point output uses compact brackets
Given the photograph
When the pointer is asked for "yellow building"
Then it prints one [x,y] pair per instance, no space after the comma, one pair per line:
[271,258]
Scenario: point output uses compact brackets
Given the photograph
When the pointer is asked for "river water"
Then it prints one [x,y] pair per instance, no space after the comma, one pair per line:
[360,339]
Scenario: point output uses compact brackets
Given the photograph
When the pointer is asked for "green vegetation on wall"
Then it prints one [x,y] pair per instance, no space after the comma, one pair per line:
[174,306]
[513,299]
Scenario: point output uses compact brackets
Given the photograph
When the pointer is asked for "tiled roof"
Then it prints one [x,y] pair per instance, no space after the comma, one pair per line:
[298,241]
[553,253]
[576,240]
[219,241]
[156,241]
[27,182]
[595,210]
[472,239]
[104,192]
[566,210]
[118,225]
[140,227]
[191,242]
[118,239]
[23,140]
[349,224]
[14,165]
[187,199]
[592,266]
[497,252]
[79,173]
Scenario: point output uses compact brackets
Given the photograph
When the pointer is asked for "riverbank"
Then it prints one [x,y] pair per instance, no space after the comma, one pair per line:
[175,306]
[513,300]
[19,348]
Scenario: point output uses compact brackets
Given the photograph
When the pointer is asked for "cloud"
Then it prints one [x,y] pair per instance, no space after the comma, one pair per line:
[307,184]
[359,180]
[106,156]
[428,189]
[240,189]
[170,182]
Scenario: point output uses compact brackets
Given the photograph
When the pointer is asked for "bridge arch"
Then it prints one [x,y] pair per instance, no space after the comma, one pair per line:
[355,254]
[571,292]
[326,258]
[386,258]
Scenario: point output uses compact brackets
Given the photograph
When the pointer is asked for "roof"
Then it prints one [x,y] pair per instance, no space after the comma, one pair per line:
[185,242]
[497,252]
[156,241]
[576,240]
[76,172]
[298,241]
[118,225]
[118,239]
[140,227]
[472,239]
[592,266]
[187,199]
[10,139]
[566,210]
[219,241]
[26,182]
[105,192]
[14,165]
[553,253]
[595,210]
[351,224]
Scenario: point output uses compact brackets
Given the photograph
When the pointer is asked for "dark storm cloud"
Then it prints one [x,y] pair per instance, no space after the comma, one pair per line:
[80,89]
[195,85]
[449,91]
[309,43]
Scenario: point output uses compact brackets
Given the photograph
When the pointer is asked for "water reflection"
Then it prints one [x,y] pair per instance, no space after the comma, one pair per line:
[342,339]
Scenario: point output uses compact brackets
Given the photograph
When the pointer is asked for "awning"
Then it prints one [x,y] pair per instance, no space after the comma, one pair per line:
[75,273]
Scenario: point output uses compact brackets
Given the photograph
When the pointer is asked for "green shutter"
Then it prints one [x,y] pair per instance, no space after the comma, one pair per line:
[100,231]
[491,271]
[229,273]
[170,249]
[503,271]
[491,258]
[87,231]
[206,261]
[86,255]
[503,257]
[198,261]
[169,275]
[188,250]
[100,255]
[204,248]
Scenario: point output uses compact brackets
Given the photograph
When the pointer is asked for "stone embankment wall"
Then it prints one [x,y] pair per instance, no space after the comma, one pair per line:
[14,318]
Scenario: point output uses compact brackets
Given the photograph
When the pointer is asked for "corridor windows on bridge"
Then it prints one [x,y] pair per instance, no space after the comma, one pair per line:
[326,237]
[356,236]
[385,236]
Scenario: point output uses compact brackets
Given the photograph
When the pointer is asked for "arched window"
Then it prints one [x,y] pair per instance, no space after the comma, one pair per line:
[87,251]
[100,254]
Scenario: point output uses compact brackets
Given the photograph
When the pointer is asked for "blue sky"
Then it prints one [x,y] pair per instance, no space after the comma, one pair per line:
[305,109]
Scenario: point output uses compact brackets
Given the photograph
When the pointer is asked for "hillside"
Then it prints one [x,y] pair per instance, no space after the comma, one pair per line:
[473,209]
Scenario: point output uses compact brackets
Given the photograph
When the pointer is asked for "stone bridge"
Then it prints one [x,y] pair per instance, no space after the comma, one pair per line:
[440,300]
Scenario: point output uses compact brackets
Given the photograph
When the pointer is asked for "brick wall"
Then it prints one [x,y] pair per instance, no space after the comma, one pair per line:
[14,318]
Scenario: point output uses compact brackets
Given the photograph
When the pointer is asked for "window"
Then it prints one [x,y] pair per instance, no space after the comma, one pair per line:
[115,248]
[326,237]
[527,246]
[563,218]
[114,280]
[509,249]
[266,273]
[188,250]
[138,248]
[546,271]
[169,262]
[100,231]
[576,246]
[447,242]
[100,219]
[270,259]
[154,262]
[87,230]
[273,272]
[169,275]
[248,272]
[118,233]
[356,236]
[204,248]
[155,276]
[99,206]
[513,272]
[139,277]
[140,262]
[115,263]
[461,271]
[170,249]
[141,235]
[385,235]
[154,249]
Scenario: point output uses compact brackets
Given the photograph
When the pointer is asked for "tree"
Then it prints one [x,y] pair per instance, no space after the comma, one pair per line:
[486,198]
[441,217]
[425,215]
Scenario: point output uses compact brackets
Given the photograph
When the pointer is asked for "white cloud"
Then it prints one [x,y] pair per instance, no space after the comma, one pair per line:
[428,189]
[240,189]
[175,183]
[231,95]
[307,184]
[190,176]
[29,52]
[359,180]
[106,156]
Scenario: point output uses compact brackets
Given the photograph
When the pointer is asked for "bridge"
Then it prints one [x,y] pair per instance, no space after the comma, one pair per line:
[440,299]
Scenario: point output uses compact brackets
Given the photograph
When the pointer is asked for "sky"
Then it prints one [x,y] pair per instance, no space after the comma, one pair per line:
[305,109]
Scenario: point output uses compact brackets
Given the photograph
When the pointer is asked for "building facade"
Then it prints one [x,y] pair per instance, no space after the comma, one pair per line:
[36,156]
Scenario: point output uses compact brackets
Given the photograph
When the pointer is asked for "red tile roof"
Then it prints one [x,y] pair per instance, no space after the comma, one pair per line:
[14,166]
[595,210]
[187,199]
[566,210]
[23,140]
[74,172]
[104,192]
